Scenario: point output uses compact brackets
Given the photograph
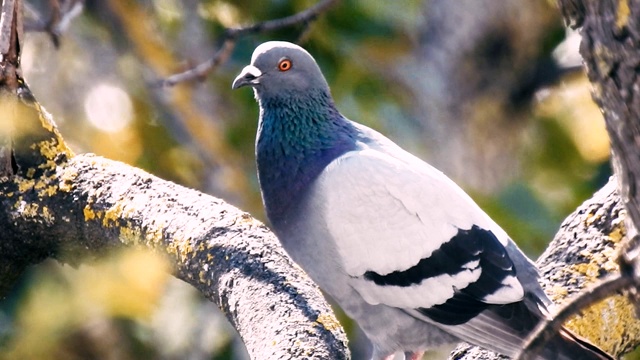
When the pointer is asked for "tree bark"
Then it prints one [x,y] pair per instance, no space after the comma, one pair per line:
[610,38]
[72,207]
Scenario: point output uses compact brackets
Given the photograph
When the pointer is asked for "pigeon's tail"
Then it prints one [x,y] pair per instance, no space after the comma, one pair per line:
[505,328]
[566,345]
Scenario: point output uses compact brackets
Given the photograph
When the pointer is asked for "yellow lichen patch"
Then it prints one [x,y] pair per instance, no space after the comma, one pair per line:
[181,248]
[66,184]
[154,236]
[40,184]
[186,248]
[47,215]
[556,293]
[27,210]
[328,321]
[130,235]
[598,262]
[610,254]
[603,260]
[49,190]
[617,234]
[89,214]
[46,120]
[33,211]
[622,15]
[114,214]
[50,148]
[590,219]
[24,185]
[616,315]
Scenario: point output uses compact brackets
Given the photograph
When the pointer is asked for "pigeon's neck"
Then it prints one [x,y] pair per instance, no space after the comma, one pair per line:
[298,136]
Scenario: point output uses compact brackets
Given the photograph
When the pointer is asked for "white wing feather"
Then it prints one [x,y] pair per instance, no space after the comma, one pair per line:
[386,213]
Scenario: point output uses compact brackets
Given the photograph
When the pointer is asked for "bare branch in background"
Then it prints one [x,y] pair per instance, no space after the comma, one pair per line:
[230,36]
[62,13]
[200,72]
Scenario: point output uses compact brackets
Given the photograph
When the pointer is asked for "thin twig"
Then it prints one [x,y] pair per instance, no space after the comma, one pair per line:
[54,19]
[307,15]
[548,328]
[200,71]
[231,35]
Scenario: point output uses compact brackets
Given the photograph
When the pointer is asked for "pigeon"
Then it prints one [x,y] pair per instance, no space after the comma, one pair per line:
[402,249]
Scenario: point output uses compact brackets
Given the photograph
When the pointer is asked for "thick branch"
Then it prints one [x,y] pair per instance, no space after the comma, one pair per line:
[610,37]
[56,204]
[89,204]
[70,207]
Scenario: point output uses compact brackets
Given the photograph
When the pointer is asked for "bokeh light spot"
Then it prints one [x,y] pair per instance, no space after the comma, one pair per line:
[108,108]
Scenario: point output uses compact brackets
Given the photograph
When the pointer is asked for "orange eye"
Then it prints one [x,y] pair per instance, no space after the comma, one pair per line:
[284,65]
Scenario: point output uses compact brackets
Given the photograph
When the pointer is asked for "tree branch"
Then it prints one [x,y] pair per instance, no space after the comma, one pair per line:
[610,34]
[231,35]
[70,207]
[56,204]
[62,13]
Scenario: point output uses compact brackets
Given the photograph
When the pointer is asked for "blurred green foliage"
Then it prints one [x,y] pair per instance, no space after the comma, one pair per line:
[201,135]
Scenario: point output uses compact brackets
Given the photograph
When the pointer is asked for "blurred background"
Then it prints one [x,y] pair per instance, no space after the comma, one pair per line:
[489,91]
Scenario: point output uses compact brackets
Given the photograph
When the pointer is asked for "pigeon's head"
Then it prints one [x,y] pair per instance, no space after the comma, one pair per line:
[279,69]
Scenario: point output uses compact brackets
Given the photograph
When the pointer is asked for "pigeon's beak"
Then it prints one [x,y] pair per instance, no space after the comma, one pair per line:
[250,75]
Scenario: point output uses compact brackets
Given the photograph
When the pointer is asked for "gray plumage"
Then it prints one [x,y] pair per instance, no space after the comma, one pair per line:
[403,250]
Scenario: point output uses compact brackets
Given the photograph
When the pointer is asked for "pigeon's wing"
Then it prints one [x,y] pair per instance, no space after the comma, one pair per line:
[410,238]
